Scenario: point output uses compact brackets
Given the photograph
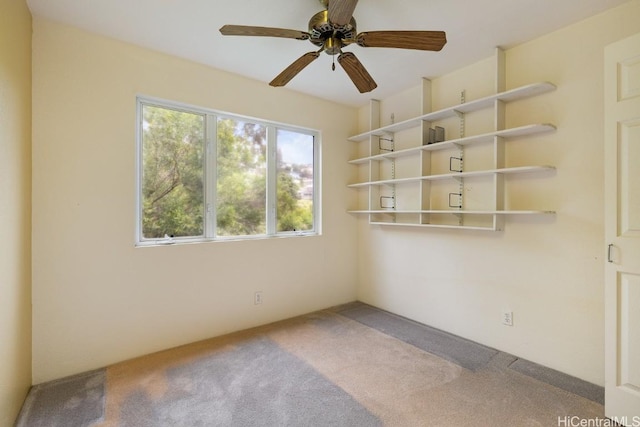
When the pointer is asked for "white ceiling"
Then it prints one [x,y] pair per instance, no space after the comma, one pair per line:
[189,29]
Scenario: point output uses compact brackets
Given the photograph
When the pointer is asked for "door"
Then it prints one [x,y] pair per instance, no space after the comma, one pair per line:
[622,231]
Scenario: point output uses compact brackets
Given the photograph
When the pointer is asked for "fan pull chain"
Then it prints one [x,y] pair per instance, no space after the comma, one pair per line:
[333,65]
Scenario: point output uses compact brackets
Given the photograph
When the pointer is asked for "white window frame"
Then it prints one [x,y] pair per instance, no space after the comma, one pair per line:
[210,174]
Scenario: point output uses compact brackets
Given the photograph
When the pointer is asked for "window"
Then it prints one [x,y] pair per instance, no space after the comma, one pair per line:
[203,175]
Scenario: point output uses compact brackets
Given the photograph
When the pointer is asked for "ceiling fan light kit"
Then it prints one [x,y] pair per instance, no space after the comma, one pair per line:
[335,28]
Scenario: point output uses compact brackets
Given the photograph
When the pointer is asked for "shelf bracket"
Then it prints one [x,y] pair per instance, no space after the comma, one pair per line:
[459,168]
[381,148]
[387,202]
[454,205]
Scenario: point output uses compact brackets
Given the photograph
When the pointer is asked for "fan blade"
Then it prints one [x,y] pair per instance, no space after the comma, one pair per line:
[421,40]
[246,30]
[357,73]
[292,70]
[341,11]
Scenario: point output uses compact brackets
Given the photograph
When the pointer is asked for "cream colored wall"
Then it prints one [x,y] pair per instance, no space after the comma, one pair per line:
[549,271]
[97,299]
[15,207]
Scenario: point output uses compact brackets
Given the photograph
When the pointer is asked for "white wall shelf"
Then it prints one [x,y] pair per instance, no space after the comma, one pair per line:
[478,104]
[414,186]
[452,212]
[455,175]
[487,137]
[408,224]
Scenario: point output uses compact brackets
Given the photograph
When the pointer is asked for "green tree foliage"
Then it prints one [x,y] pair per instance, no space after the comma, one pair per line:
[293,213]
[172,187]
[242,173]
[173,178]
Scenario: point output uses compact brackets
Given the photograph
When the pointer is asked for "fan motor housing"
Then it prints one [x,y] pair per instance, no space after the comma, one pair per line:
[330,36]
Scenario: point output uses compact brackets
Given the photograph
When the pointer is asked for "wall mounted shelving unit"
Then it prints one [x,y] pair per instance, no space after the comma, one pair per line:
[428,185]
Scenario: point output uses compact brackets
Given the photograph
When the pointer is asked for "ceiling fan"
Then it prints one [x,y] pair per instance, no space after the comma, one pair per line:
[331,30]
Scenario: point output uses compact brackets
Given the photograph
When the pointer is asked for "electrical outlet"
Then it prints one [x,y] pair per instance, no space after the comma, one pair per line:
[257,298]
[507,318]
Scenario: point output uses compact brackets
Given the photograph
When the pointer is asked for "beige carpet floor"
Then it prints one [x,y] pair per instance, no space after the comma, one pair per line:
[320,369]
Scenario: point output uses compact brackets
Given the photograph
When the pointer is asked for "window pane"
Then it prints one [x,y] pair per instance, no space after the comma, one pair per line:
[294,181]
[242,178]
[172,176]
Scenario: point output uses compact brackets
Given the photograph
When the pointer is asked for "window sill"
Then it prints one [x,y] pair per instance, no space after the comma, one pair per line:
[187,241]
